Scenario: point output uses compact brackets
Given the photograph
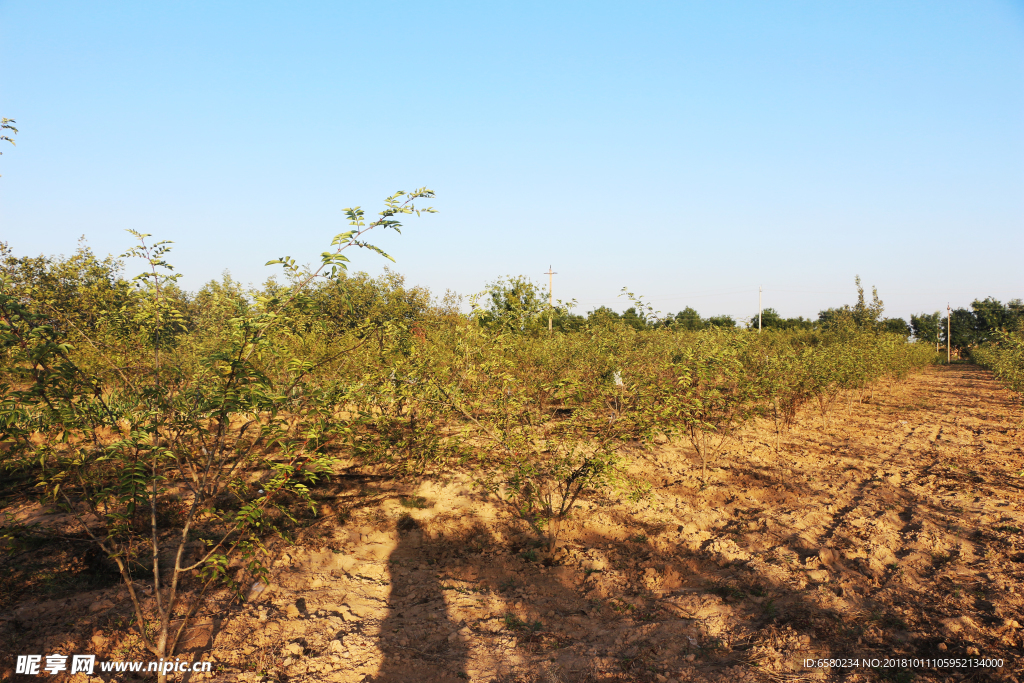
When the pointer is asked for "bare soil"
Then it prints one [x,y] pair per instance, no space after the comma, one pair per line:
[894,529]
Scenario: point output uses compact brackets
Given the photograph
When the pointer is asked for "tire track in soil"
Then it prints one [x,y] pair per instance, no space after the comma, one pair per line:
[858,498]
[915,458]
[946,622]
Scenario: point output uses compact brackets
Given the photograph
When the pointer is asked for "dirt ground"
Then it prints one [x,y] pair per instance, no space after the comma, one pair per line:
[894,530]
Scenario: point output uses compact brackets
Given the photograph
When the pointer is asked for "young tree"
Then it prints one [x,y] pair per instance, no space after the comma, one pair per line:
[713,393]
[151,460]
[5,124]
[864,315]
[867,316]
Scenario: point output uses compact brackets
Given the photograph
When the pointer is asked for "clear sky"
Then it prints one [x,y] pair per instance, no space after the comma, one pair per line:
[691,151]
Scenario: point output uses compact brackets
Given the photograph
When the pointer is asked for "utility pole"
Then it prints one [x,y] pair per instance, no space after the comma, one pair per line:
[949,330]
[759,309]
[551,294]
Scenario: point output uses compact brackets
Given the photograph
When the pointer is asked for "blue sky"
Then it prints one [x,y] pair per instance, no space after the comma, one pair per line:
[689,151]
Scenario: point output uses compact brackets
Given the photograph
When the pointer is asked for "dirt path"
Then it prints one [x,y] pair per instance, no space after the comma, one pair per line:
[894,530]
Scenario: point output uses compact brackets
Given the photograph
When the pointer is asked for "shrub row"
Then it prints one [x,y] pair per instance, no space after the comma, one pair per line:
[181,431]
[1004,357]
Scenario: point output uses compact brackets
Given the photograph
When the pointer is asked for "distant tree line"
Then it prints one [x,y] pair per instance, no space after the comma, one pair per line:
[686,319]
[518,304]
[970,327]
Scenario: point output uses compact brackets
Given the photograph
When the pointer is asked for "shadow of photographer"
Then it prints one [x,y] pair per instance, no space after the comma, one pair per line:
[419,639]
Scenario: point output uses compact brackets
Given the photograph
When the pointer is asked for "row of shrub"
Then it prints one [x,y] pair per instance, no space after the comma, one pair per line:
[1004,356]
[126,399]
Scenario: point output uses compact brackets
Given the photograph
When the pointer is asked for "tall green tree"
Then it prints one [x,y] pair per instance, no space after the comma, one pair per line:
[770,319]
[925,326]
[895,326]
[964,333]
[864,315]
[602,315]
[688,319]
[722,321]
[632,318]
[991,317]
[514,304]
[985,321]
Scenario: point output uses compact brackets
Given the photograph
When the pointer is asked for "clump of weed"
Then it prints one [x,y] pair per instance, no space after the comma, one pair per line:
[725,591]
[888,620]
[639,491]
[508,584]
[514,623]
[757,590]
[413,502]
